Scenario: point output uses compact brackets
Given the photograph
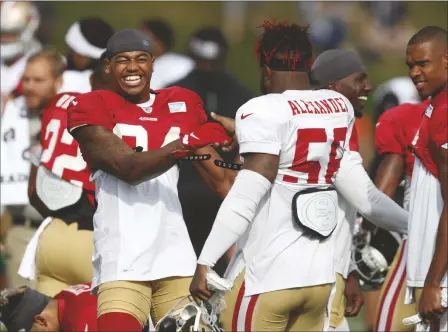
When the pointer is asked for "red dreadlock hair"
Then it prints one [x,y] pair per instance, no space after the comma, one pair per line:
[284,46]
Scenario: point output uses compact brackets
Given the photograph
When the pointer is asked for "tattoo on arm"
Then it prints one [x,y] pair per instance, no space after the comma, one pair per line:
[262,163]
[108,152]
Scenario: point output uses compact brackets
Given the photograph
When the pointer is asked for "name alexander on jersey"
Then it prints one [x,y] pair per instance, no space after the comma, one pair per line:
[323,106]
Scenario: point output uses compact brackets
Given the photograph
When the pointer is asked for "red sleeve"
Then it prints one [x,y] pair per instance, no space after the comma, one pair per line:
[354,143]
[387,136]
[199,115]
[438,127]
[88,109]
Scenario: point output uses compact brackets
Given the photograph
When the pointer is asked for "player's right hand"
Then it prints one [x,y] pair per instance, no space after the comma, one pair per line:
[198,286]
[229,126]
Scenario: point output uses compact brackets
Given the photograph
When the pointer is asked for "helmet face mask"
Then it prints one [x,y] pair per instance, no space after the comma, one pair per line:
[190,317]
[18,24]
[372,255]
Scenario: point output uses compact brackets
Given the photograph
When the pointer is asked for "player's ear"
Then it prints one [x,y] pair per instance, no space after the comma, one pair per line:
[40,320]
[268,73]
[58,82]
[107,66]
[333,86]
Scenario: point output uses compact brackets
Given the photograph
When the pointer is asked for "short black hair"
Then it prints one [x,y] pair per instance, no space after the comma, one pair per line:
[284,46]
[429,33]
[389,101]
[162,30]
[96,31]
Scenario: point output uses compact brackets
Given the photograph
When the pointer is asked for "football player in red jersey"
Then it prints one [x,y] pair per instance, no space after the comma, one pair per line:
[60,189]
[72,309]
[395,130]
[132,138]
[427,244]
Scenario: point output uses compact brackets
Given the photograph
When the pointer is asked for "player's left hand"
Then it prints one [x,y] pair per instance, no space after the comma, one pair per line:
[430,305]
[209,133]
[198,286]
[353,296]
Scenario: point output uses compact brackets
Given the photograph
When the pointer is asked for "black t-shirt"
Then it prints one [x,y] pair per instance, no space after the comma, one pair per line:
[222,94]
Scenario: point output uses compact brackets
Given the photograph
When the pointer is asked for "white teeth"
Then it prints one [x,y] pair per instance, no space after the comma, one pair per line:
[132,78]
[362,98]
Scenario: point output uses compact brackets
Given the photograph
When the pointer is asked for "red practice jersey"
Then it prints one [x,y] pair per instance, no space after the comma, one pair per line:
[396,129]
[168,113]
[432,133]
[60,152]
[77,309]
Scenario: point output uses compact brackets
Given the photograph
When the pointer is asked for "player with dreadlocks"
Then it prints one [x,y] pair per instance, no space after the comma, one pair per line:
[283,266]
[282,207]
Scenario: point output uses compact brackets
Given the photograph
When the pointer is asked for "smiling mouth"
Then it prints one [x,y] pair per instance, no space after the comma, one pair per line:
[363,98]
[132,81]
[419,85]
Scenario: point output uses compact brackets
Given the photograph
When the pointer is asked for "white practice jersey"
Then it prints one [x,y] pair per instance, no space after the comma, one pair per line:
[310,131]
[151,241]
[425,210]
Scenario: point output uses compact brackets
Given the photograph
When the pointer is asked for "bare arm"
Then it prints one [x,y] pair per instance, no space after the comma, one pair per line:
[220,180]
[108,152]
[35,201]
[389,173]
[263,164]
[439,263]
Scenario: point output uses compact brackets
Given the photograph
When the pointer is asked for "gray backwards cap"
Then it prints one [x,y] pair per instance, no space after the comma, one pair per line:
[19,306]
[333,65]
[127,40]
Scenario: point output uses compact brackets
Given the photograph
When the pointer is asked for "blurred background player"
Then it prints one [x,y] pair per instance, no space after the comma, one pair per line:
[427,244]
[169,66]
[85,41]
[344,72]
[138,224]
[18,24]
[21,124]
[223,94]
[25,309]
[59,255]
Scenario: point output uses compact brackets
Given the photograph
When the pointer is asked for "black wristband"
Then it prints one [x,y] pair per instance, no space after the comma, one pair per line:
[225,164]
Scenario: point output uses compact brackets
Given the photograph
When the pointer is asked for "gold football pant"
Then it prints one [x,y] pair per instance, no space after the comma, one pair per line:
[64,257]
[142,298]
[296,309]
[338,306]
[391,308]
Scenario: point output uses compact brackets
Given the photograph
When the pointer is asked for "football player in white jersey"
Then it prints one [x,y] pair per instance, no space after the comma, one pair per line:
[427,246]
[282,207]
